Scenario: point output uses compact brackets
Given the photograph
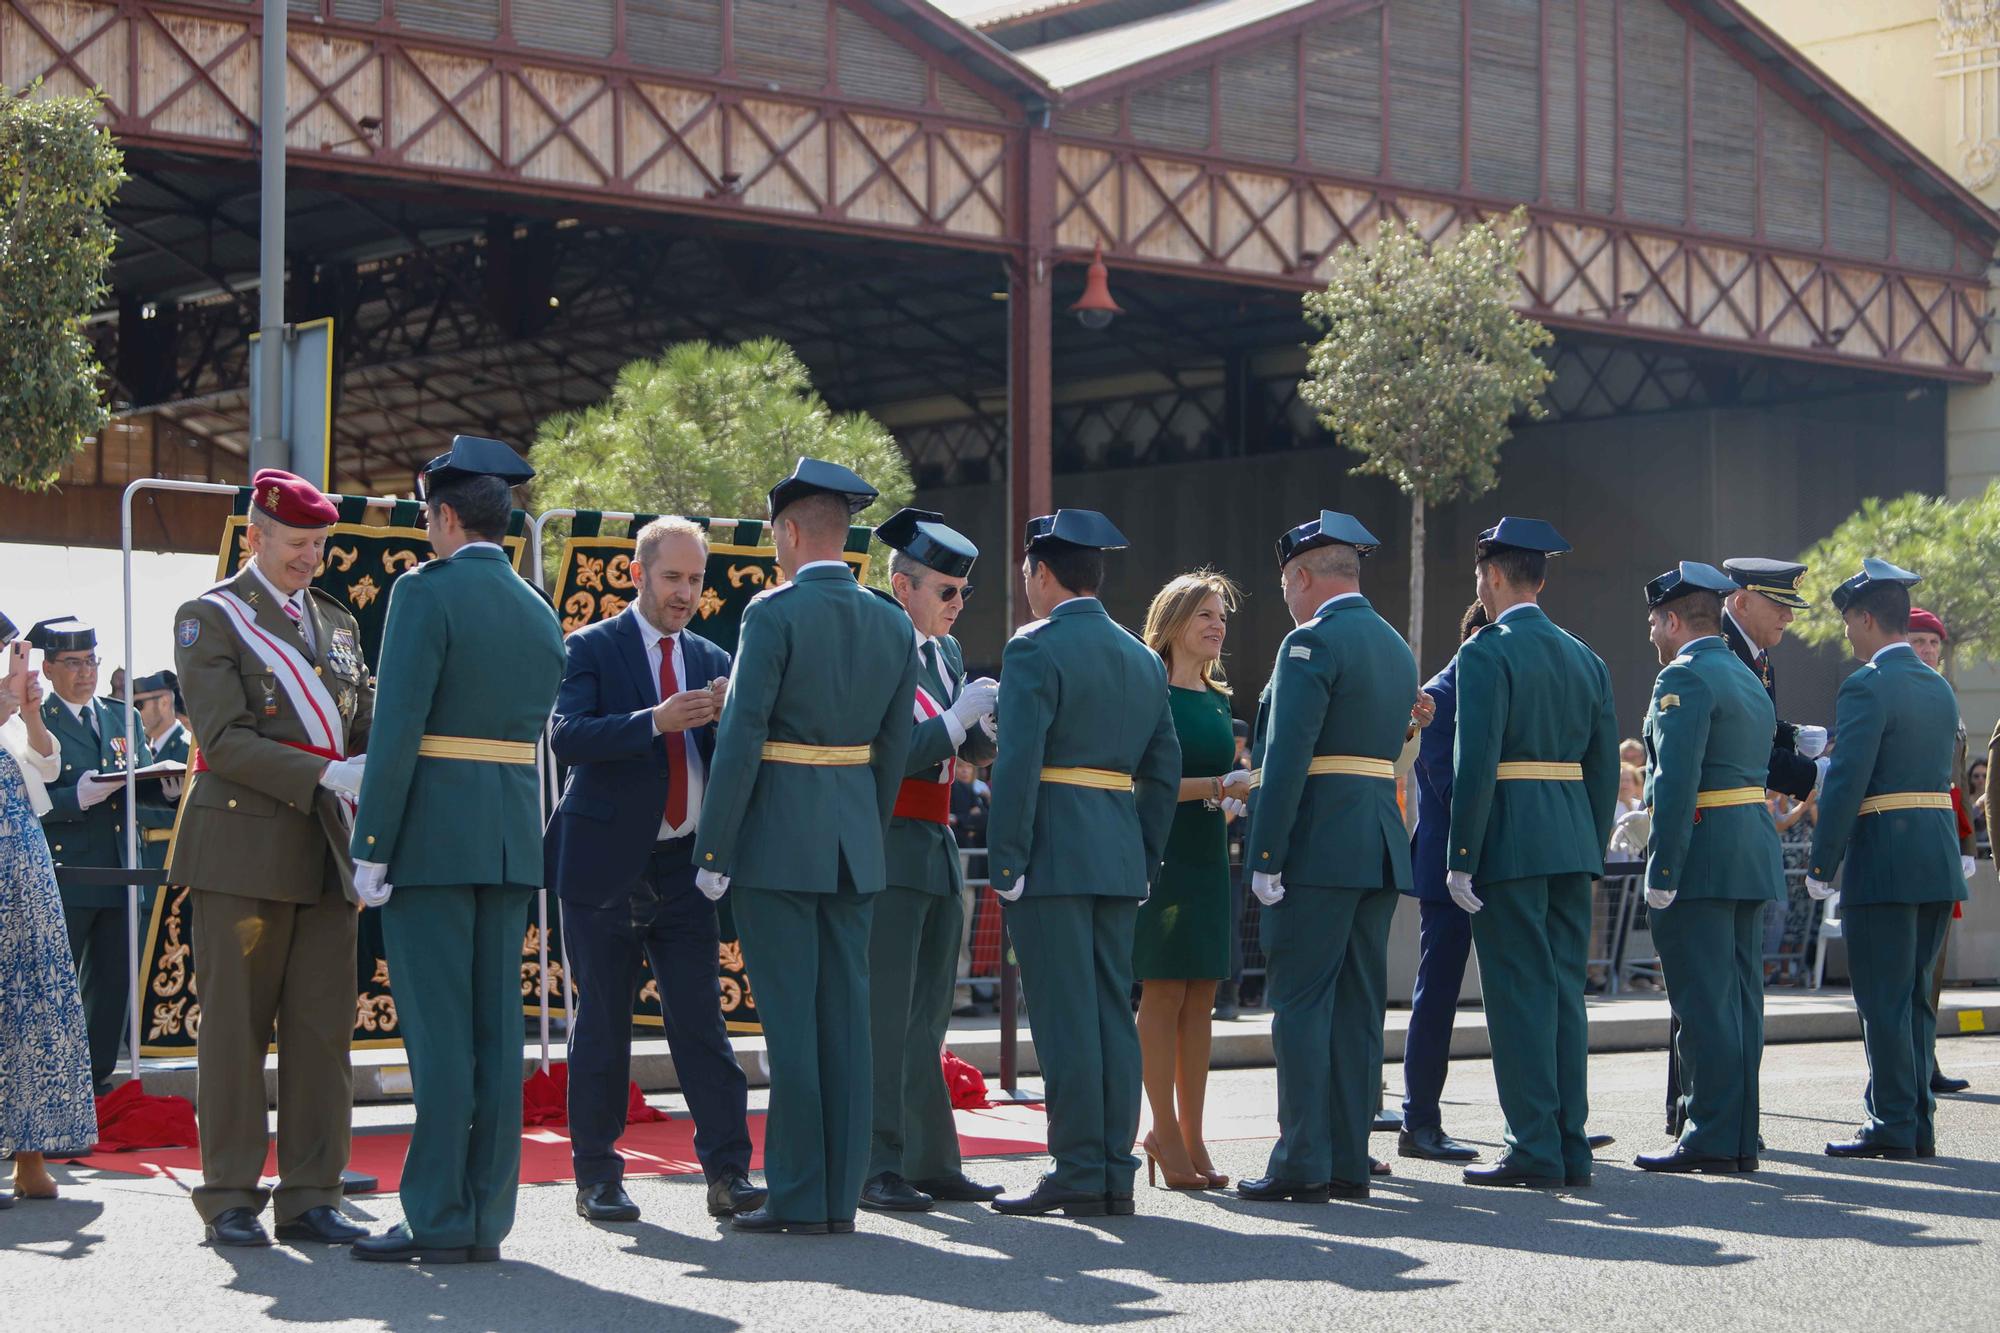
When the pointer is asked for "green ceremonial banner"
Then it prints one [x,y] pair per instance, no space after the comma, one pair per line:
[366,552]
[594,582]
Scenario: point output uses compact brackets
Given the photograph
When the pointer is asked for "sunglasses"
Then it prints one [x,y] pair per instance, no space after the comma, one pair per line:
[950,594]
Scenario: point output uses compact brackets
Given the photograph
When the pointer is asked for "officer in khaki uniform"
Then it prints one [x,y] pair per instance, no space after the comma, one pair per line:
[281,702]
[913,944]
[812,747]
[449,840]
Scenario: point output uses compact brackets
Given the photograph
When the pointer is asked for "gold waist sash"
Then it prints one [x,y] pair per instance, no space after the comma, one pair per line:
[153,835]
[1529,770]
[1353,765]
[1710,800]
[817,756]
[478,749]
[1103,779]
[1906,800]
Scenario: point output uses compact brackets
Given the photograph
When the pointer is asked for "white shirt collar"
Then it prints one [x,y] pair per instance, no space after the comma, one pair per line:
[821,564]
[1336,600]
[650,632]
[1518,606]
[166,735]
[1889,648]
[75,710]
[297,599]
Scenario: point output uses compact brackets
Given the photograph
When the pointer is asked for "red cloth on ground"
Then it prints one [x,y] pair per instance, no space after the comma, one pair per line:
[129,1118]
[1964,831]
[966,1085]
[545,1100]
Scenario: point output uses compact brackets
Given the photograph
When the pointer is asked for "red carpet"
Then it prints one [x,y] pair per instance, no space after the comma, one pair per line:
[663,1148]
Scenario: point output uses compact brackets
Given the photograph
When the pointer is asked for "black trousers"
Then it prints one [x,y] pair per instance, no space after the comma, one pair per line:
[97,945]
[664,920]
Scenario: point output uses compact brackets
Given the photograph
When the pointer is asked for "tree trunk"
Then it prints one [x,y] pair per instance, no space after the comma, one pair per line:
[1417,515]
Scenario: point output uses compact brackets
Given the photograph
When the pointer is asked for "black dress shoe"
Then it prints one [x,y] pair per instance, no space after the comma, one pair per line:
[1678,1160]
[236,1226]
[1346,1189]
[606,1201]
[957,1189]
[1269,1189]
[1866,1148]
[398,1246]
[1433,1145]
[890,1193]
[733,1196]
[1386,1122]
[1941,1082]
[1597,1141]
[1504,1172]
[1745,1165]
[323,1224]
[759,1220]
[1119,1204]
[1048,1197]
[1579,1180]
[482,1254]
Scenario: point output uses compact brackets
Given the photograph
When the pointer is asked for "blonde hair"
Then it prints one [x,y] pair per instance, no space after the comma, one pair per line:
[1176,604]
[648,539]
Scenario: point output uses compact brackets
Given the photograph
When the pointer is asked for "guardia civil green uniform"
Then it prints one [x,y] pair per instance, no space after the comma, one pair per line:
[1534,789]
[94,915]
[811,749]
[171,747]
[920,913]
[1886,827]
[1715,848]
[470,664]
[1329,727]
[1084,790]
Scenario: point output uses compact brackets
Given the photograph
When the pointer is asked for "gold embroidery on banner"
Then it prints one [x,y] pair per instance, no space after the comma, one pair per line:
[619,572]
[710,603]
[362,592]
[590,572]
[395,562]
[742,574]
[342,558]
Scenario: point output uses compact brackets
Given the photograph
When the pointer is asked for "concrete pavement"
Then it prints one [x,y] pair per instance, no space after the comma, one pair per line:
[1807,1242]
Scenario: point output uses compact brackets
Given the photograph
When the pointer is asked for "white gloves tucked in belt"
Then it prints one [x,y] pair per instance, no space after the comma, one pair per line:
[1967,866]
[342,777]
[1818,889]
[712,883]
[1020,887]
[1270,889]
[1660,899]
[371,883]
[1809,741]
[1460,884]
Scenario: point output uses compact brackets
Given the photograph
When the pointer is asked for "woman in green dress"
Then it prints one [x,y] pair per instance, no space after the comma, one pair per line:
[1181,948]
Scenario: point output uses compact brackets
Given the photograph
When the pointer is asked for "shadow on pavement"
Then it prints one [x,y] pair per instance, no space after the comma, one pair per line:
[51,1228]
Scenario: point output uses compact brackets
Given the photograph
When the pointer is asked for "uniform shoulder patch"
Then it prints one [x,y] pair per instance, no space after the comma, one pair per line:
[1299,650]
[187,632]
[1669,701]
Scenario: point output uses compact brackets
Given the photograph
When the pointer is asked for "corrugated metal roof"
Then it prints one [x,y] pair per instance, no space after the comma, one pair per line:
[991,13]
[1079,60]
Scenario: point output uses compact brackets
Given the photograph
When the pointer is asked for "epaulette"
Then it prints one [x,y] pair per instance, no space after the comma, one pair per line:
[1682,660]
[890,599]
[1032,627]
[773,592]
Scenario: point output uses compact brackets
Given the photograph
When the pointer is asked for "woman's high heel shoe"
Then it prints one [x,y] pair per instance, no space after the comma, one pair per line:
[1197,1181]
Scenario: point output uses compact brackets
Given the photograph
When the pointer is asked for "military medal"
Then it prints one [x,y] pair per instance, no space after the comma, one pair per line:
[344,653]
[270,696]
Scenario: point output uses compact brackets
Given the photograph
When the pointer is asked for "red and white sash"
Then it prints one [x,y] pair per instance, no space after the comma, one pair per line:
[326,732]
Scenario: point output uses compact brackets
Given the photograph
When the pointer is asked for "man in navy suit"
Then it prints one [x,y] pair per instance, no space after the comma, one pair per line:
[1444,928]
[635,723]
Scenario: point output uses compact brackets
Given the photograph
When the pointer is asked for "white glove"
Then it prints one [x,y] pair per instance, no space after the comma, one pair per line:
[1236,782]
[1020,887]
[712,883]
[171,788]
[1660,899]
[1460,884]
[1233,807]
[1818,889]
[1823,763]
[91,789]
[1270,889]
[987,725]
[975,701]
[371,883]
[342,777]
[1967,866]
[1809,741]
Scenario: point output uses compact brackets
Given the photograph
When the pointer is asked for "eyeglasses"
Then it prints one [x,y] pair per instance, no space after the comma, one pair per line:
[947,593]
[76,662]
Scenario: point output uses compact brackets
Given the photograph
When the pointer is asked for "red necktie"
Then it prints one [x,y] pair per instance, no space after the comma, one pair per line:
[677,761]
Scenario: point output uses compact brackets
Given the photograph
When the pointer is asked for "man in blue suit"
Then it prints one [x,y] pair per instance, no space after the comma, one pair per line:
[635,721]
[1444,928]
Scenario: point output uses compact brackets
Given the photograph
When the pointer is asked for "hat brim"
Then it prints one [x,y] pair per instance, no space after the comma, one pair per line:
[1783,597]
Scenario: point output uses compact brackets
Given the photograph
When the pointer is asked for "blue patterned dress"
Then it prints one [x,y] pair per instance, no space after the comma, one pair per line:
[45,1096]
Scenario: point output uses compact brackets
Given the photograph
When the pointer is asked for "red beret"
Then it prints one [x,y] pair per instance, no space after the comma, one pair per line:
[293,501]
[1923,622]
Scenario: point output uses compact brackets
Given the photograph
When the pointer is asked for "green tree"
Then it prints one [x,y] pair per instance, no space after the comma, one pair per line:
[709,430]
[1954,544]
[1422,362]
[58,173]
